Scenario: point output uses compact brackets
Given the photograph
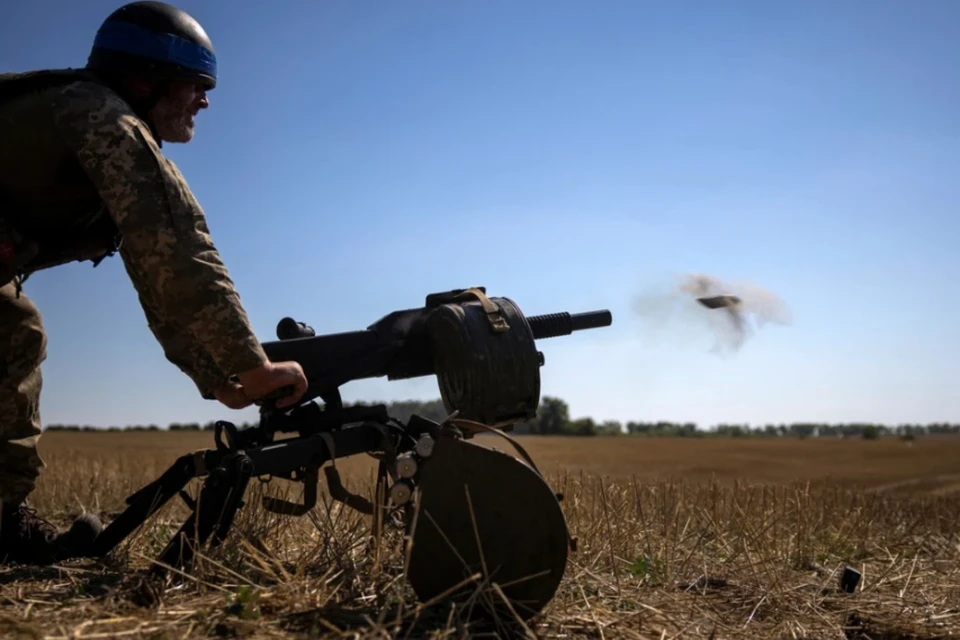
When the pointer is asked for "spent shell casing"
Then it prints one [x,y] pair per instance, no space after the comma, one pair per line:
[719,302]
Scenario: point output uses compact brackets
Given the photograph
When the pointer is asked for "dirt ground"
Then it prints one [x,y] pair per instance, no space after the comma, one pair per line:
[677,538]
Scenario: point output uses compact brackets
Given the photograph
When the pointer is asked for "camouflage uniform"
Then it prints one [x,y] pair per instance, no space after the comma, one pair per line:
[22,349]
[87,132]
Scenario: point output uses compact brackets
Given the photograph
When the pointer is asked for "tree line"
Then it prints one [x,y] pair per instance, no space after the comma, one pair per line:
[553,418]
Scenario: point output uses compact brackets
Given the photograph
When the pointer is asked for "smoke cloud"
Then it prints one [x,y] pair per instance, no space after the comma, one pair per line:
[672,312]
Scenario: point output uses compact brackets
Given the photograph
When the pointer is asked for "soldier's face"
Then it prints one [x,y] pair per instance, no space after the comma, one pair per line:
[173,115]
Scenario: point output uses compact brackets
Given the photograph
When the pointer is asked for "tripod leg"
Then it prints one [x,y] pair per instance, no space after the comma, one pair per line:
[145,502]
[216,507]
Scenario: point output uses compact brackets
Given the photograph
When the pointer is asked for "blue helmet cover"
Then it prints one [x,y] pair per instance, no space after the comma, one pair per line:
[133,39]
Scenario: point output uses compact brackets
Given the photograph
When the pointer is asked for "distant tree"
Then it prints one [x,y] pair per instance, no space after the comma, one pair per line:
[610,428]
[553,416]
[582,427]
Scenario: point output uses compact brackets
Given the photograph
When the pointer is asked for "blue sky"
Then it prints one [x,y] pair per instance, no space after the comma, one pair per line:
[570,156]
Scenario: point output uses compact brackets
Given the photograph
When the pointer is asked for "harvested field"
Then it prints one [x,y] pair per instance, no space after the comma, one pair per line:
[677,538]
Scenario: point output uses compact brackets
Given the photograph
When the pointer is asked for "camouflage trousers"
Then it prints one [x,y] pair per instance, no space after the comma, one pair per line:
[23,347]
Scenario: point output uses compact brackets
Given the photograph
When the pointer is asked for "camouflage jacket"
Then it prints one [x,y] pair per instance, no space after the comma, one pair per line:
[77,146]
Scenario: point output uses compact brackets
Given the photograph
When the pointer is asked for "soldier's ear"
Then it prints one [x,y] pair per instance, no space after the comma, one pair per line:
[141,88]
[138,87]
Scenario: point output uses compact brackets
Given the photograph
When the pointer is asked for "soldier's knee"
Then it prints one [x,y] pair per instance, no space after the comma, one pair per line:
[22,350]
[22,336]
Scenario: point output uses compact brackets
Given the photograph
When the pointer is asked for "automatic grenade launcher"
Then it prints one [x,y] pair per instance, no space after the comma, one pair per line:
[450,492]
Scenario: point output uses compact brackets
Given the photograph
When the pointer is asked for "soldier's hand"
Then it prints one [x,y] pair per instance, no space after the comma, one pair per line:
[273,376]
[232,396]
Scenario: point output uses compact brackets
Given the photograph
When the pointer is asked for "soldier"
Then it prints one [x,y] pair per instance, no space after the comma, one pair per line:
[82,177]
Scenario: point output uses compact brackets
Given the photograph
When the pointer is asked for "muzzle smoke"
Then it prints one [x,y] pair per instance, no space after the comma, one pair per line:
[698,304]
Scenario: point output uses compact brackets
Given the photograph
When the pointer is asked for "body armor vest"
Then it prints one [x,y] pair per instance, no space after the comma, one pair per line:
[50,211]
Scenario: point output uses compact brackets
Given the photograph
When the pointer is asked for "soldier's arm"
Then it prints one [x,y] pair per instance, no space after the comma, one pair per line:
[166,247]
[179,346]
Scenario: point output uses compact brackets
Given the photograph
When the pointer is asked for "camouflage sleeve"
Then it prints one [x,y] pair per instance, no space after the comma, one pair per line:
[181,349]
[166,246]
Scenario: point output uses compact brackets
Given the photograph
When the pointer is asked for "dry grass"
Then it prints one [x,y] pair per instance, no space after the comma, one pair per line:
[677,539]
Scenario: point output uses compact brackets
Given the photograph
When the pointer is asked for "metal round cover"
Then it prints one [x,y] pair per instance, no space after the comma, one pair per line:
[516,522]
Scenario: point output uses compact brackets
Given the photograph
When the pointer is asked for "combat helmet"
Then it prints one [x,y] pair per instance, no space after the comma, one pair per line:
[154,39]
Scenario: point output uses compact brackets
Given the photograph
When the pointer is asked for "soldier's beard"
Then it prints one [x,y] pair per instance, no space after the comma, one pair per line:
[173,119]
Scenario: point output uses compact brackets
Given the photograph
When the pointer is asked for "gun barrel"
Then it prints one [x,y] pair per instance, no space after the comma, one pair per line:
[396,346]
[552,325]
